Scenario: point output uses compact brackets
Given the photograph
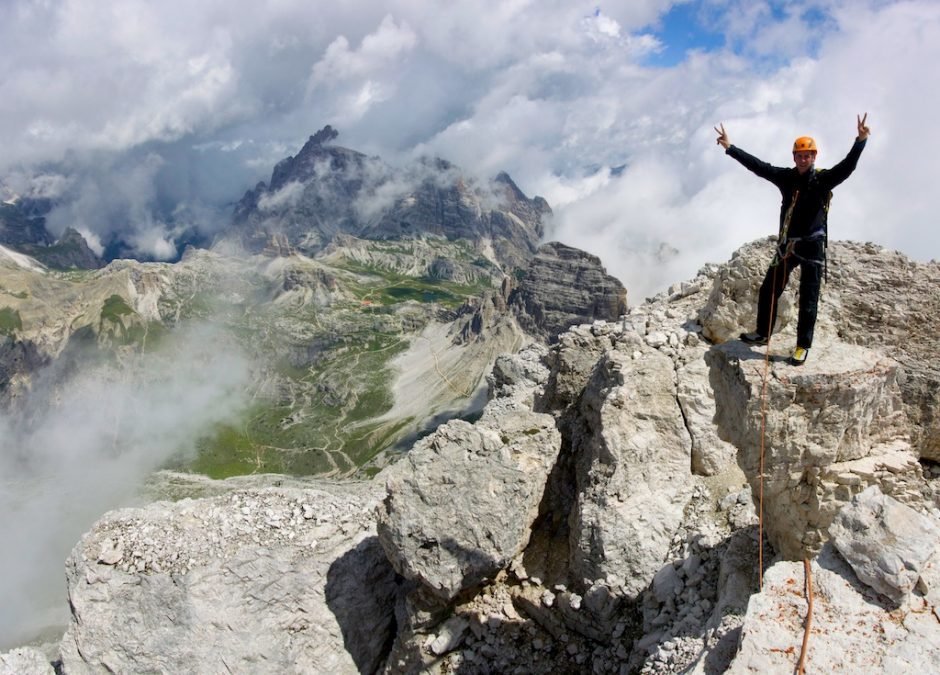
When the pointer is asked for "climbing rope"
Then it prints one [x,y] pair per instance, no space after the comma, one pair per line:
[781,253]
[763,432]
[807,571]
[808,586]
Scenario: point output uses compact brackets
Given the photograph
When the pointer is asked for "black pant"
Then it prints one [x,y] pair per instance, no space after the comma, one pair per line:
[810,257]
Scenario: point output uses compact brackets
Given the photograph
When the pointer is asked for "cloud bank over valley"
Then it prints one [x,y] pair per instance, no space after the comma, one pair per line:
[84,443]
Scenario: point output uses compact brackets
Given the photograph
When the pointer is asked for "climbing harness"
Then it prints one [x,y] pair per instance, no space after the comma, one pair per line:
[786,245]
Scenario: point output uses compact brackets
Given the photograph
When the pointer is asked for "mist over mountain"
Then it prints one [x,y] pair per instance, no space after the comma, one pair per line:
[84,438]
[191,106]
[131,208]
[142,205]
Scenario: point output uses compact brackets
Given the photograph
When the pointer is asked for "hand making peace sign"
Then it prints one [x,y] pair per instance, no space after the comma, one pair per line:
[723,139]
[863,130]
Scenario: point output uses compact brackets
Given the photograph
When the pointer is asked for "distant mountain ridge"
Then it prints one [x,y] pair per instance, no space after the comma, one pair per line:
[327,190]
[322,192]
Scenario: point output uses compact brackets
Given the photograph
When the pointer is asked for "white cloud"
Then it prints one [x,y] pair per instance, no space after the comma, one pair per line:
[340,62]
[287,196]
[154,242]
[888,200]
[358,79]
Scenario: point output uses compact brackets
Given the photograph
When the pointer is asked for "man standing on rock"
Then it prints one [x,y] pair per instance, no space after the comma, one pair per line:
[803,233]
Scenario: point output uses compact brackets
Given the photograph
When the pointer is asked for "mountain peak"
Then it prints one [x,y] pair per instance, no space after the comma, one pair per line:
[322,137]
[327,190]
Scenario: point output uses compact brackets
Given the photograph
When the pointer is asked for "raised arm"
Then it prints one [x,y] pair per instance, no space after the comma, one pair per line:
[751,163]
[838,173]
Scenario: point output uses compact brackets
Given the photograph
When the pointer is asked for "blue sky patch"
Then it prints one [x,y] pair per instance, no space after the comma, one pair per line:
[681,30]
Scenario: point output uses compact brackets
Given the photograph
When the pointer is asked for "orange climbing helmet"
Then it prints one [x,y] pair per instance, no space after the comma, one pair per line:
[804,144]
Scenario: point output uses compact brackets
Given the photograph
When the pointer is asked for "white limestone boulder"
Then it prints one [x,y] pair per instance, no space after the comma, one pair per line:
[887,543]
[853,629]
[460,504]
[25,661]
[276,580]
[633,458]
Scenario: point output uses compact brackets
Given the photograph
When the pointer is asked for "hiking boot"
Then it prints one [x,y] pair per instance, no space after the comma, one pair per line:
[753,338]
[799,356]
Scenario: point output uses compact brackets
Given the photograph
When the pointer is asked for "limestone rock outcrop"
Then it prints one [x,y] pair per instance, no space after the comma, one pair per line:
[829,428]
[731,308]
[599,517]
[710,454]
[873,297]
[886,301]
[888,544]
[25,661]
[276,579]
[633,447]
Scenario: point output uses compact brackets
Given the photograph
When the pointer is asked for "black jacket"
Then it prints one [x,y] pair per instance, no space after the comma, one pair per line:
[809,219]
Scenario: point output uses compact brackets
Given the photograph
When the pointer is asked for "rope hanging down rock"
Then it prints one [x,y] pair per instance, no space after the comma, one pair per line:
[807,570]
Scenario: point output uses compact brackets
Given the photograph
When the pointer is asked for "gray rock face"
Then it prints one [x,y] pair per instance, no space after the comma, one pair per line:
[710,454]
[70,251]
[18,360]
[282,580]
[564,287]
[460,505]
[888,544]
[634,449]
[25,661]
[518,376]
[731,308]
[571,362]
[831,428]
[504,223]
[310,198]
[888,302]
[19,228]
[26,233]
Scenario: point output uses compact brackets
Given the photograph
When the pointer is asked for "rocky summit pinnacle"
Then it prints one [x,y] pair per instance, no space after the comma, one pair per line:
[325,135]
[591,520]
